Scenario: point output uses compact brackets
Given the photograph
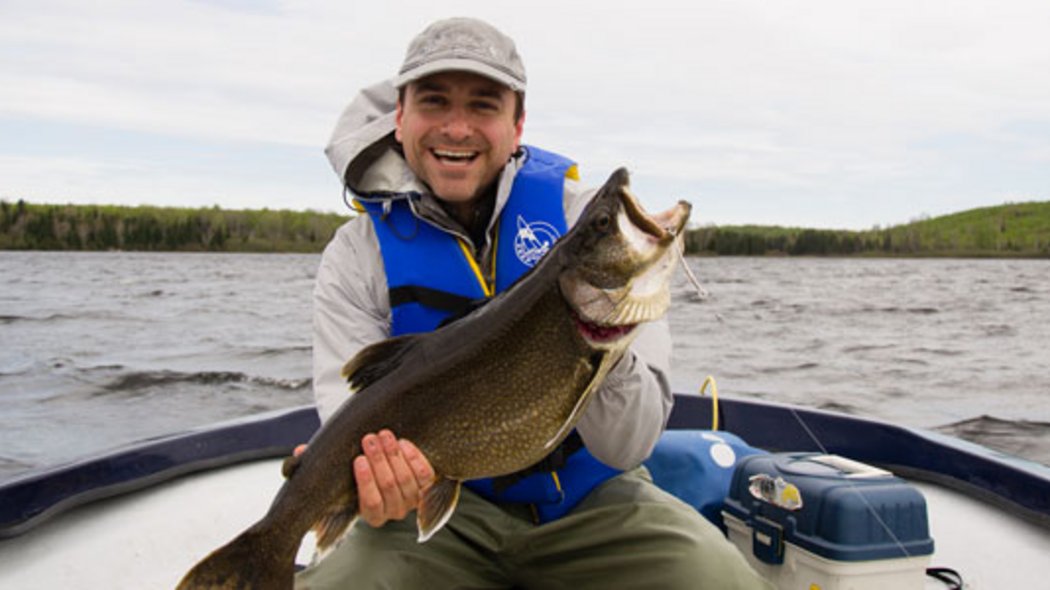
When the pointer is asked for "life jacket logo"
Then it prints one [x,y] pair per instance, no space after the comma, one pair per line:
[533,240]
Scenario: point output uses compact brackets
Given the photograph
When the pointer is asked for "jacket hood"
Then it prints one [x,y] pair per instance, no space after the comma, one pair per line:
[362,150]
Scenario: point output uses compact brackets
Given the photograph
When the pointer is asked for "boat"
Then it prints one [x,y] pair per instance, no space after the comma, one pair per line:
[139,516]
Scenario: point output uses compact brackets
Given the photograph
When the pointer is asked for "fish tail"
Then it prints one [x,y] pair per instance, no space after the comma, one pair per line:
[248,562]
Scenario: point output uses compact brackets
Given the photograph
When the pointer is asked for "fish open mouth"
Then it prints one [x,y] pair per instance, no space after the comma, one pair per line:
[601,334]
[661,227]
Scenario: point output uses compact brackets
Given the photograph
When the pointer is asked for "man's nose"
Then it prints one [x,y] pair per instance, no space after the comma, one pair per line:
[457,126]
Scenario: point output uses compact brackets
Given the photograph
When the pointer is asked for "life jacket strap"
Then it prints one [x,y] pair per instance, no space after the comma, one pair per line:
[435,298]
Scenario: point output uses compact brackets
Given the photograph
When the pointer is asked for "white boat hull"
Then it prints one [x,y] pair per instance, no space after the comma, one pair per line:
[149,539]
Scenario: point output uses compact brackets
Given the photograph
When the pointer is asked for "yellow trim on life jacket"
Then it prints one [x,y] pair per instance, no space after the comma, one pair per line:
[573,173]
[358,206]
[495,253]
[485,287]
[557,482]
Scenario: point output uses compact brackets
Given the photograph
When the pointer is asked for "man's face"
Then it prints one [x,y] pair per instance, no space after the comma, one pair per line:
[458,131]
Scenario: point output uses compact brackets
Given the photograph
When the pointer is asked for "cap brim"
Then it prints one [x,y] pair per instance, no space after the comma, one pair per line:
[459,65]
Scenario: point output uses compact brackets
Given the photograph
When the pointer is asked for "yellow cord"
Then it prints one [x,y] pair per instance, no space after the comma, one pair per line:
[485,287]
[495,253]
[714,400]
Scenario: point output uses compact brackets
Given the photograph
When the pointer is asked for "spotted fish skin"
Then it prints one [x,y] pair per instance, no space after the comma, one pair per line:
[485,396]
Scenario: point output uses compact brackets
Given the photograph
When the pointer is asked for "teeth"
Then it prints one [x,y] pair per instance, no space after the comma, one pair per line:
[452,154]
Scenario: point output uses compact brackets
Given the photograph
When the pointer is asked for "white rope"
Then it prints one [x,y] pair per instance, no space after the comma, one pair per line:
[701,293]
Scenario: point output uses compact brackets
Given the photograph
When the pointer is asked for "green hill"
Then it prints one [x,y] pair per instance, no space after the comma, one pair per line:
[1010,230]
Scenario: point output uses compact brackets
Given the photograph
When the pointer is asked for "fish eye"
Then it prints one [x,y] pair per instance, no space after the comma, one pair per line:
[603,222]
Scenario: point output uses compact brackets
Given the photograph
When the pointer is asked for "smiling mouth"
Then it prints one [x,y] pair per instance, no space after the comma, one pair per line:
[455,157]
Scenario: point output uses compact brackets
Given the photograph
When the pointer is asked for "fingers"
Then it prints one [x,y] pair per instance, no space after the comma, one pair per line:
[369,500]
[390,476]
[421,468]
[389,468]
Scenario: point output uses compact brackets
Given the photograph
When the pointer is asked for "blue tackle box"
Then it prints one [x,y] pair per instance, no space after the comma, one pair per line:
[834,508]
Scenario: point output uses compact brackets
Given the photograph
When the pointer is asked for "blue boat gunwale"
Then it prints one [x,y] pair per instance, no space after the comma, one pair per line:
[1015,485]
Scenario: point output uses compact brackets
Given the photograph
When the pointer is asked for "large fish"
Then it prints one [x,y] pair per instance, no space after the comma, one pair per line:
[485,396]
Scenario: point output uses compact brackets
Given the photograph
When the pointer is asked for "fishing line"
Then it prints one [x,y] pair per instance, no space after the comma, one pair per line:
[702,294]
[942,574]
[852,486]
[951,578]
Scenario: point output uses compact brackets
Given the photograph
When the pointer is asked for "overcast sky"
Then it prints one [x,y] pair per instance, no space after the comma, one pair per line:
[831,113]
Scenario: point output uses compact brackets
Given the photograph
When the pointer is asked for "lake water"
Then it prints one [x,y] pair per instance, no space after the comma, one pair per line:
[103,349]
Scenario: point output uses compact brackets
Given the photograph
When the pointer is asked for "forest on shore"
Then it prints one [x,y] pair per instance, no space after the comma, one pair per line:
[25,226]
[1009,230]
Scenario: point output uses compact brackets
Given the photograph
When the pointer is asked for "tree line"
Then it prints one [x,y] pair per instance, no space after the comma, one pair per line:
[1010,230]
[27,226]
[1013,229]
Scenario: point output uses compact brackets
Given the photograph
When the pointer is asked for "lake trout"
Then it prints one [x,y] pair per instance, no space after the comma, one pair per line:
[484,396]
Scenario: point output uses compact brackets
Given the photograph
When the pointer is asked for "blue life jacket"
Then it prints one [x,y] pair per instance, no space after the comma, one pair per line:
[431,274]
[697,467]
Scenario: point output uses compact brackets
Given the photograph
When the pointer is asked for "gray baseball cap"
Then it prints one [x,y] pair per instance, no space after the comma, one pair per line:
[463,44]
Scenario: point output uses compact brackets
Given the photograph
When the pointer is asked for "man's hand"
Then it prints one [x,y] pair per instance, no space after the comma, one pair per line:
[391,477]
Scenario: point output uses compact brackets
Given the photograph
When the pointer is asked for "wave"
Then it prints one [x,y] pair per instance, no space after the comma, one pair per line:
[909,361]
[937,351]
[275,351]
[911,310]
[12,319]
[1022,438]
[800,367]
[59,317]
[13,464]
[840,407]
[151,379]
[997,330]
[867,348]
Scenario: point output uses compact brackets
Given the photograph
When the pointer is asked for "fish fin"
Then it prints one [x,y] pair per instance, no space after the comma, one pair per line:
[332,526]
[376,361]
[439,502]
[577,410]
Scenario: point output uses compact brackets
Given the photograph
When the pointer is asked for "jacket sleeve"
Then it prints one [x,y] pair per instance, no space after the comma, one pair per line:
[351,309]
[631,408]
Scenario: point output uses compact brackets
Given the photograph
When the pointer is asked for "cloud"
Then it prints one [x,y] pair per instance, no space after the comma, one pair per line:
[820,102]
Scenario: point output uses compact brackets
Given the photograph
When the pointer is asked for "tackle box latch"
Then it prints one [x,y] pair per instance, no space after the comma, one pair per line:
[767,541]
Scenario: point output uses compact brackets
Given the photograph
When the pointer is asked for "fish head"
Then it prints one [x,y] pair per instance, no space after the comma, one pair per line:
[619,263]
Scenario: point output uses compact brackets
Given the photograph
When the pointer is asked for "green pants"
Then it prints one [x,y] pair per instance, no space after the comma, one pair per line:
[627,533]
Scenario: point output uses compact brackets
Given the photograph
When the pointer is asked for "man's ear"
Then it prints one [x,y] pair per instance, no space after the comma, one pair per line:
[397,121]
[519,128]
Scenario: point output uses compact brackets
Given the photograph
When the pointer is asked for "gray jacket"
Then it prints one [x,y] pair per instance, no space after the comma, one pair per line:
[352,308]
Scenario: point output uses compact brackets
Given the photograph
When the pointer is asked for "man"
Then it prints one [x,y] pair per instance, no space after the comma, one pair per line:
[435,159]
